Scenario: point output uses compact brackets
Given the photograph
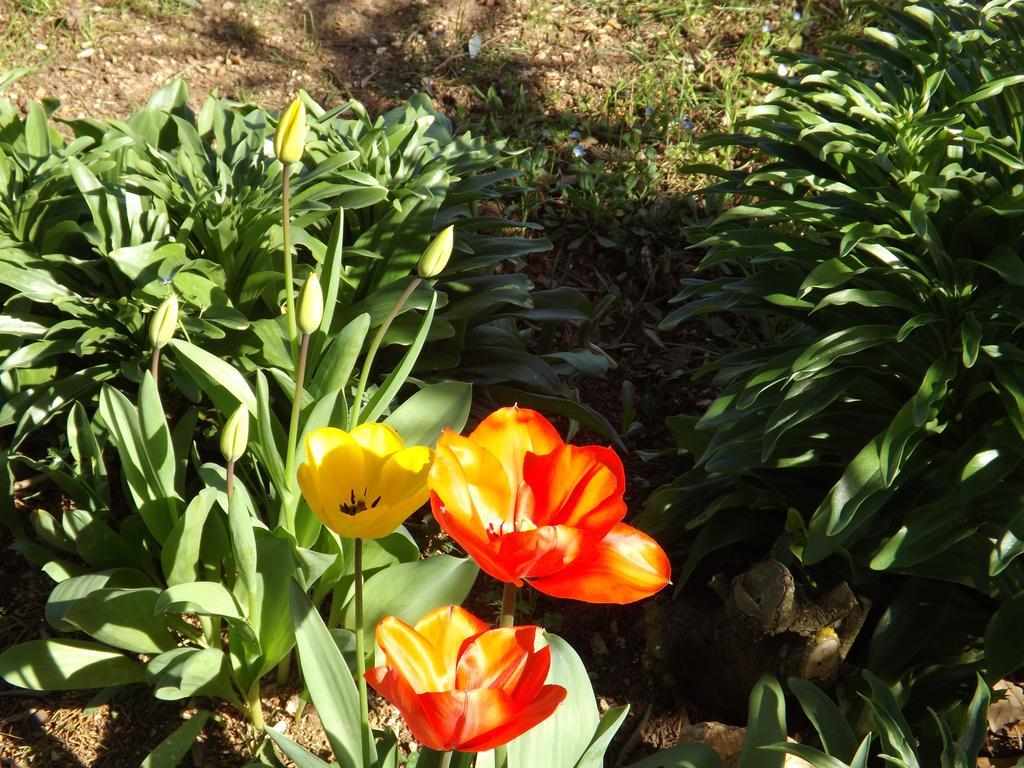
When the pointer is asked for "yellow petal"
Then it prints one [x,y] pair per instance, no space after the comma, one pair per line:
[341,480]
[322,441]
[290,137]
[404,476]
[378,441]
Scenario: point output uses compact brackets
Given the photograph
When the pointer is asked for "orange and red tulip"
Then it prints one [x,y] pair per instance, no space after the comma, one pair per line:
[461,686]
[528,507]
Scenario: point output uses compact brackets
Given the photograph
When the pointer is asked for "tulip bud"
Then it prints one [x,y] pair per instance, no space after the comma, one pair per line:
[234,437]
[311,305]
[435,258]
[291,133]
[164,322]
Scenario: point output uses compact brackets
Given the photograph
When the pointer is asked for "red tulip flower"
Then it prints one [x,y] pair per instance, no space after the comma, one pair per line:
[528,507]
[461,686]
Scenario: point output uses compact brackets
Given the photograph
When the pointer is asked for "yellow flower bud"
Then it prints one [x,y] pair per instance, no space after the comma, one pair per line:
[291,133]
[311,305]
[234,437]
[435,258]
[163,322]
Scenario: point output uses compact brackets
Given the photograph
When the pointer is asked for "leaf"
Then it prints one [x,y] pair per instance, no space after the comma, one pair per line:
[335,367]
[562,739]
[224,385]
[382,398]
[63,665]
[683,756]
[835,733]
[243,546]
[330,684]
[894,731]
[37,132]
[185,672]
[421,418]
[181,552]
[610,723]
[766,725]
[170,752]
[123,618]
[411,590]
[1004,652]
[155,499]
[71,590]
[205,598]
[975,729]
[294,752]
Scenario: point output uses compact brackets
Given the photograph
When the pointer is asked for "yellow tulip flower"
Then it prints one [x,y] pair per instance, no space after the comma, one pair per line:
[363,484]
[290,137]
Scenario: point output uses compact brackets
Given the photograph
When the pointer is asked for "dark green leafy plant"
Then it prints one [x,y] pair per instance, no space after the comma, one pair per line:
[880,246]
[96,231]
[953,740]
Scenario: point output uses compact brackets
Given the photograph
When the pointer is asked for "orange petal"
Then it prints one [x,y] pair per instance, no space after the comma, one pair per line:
[474,735]
[447,629]
[504,658]
[541,551]
[577,486]
[472,539]
[408,653]
[471,482]
[511,433]
[627,565]
[470,714]
[393,687]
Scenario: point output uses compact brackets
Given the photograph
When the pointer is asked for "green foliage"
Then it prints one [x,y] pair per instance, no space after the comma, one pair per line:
[954,739]
[95,232]
[879,246]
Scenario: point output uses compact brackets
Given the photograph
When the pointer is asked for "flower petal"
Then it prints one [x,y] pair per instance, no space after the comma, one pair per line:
[392,686]
[471,482]
[510,433]
[413,656]
[472,538]
[627,565]
[504,658]
[334,479]
[541,551]
[404,476]
[577,486]
[378,441]
[447,629]
[490,721]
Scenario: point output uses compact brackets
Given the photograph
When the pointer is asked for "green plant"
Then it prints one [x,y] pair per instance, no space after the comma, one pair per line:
[953,740]
[878,427]
[95,232]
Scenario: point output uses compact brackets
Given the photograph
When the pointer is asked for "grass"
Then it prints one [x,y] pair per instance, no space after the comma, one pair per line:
[622,122]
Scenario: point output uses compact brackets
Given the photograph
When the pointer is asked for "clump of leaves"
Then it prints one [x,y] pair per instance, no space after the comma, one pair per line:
[880,426]
[96,230]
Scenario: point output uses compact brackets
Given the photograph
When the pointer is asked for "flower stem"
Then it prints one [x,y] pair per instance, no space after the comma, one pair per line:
[286,235]
[446,760]
[255,707]
[293,432]
[154,364]
[507,619]
[508,605]
[357,401]
[229,482]
[364,706]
